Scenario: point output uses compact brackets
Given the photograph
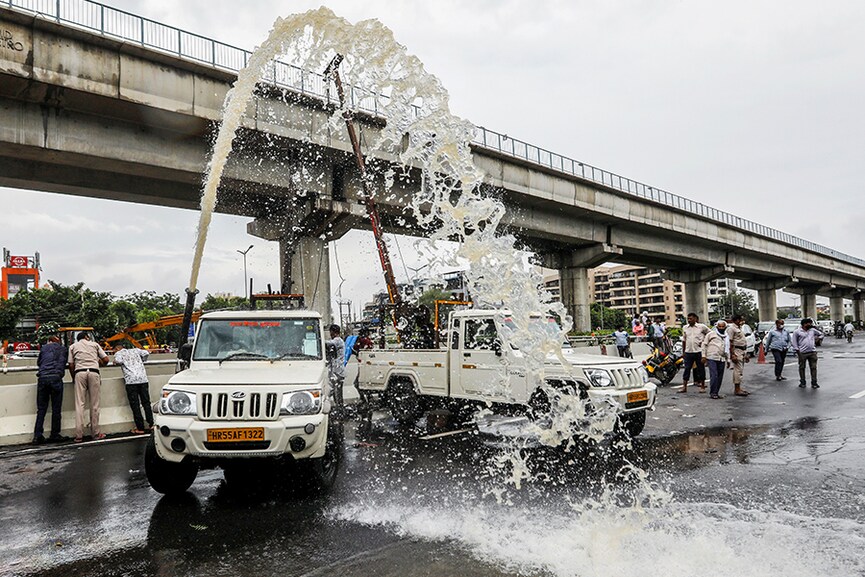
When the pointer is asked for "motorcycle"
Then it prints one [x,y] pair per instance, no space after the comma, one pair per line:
[849,336]
[663,365]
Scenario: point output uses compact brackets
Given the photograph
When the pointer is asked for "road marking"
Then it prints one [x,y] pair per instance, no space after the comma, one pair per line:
[791,364]
[858,395]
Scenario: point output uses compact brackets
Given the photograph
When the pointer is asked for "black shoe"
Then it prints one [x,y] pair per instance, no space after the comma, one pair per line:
[801,385]
[815,386]
[57,439]
[777,378]
[40,440]
[782,378]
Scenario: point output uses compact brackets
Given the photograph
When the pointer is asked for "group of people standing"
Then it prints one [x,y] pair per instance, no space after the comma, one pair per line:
[724,347]
[84,359]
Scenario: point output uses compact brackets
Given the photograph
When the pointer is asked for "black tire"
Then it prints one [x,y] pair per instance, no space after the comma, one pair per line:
[166,477]
[322,472]
[404,402]
[633,422]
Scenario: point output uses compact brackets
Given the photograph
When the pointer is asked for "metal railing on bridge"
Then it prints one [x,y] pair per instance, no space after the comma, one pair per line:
[118,24]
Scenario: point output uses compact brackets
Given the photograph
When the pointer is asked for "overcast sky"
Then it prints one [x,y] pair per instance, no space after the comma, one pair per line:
[752,107]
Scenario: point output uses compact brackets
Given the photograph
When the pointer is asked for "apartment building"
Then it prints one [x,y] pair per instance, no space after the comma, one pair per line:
[638,290]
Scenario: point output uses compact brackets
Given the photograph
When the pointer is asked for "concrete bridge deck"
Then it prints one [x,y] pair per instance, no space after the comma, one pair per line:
[98,102]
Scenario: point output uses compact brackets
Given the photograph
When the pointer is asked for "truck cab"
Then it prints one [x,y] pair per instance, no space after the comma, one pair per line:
[483,363]
[257,389]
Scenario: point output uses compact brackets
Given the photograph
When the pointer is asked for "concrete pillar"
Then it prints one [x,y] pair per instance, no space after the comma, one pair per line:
[767,304]
[836,308]
[574,282]
[697,300]
[809,305]
[859,308]
[310,273]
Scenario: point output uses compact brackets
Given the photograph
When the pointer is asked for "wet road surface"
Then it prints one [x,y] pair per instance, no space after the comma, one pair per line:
[772,484]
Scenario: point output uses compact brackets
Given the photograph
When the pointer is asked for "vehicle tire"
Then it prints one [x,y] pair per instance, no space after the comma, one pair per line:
[634,422]
[166,477]
[404,402]
[321,473]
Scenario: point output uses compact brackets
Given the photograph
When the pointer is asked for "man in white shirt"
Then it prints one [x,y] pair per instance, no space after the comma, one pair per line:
[137,386]
[693,334]
[336,363]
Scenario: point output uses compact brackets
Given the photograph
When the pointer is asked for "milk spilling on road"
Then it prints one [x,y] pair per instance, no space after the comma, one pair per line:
[629,525]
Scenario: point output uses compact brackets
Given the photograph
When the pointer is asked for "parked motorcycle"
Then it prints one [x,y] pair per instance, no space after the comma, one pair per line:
[849,336]
[662,365]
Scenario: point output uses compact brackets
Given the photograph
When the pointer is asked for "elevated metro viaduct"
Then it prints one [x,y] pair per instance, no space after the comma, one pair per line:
[89,115]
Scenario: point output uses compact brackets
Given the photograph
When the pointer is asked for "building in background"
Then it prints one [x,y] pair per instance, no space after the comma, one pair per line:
[19,273]
[636,290]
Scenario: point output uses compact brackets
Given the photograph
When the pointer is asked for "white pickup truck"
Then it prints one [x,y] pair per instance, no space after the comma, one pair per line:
[256,392]
[480,365]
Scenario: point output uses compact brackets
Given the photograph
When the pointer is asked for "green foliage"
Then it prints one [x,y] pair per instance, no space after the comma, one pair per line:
[609,319]
[429,297]
[58,305]
[212,302]
[46,330]
[736,302]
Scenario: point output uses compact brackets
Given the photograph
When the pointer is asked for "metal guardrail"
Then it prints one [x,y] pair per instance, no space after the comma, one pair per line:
[118,24]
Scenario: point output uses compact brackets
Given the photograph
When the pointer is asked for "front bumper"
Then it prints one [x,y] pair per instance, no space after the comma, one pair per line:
[641,398]
[168,429]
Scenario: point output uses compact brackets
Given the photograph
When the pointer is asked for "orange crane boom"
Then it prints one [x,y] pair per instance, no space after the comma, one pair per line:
[148,328]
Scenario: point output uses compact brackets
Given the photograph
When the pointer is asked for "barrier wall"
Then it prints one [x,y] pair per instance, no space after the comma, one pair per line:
[18,400]
[18,403]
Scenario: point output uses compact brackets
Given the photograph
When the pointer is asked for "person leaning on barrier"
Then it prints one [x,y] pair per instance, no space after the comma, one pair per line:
[49,387]
[623,343]
[132,361]
[85,358]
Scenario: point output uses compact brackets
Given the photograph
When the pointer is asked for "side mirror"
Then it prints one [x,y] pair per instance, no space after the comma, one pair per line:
[184,353]
[497,348]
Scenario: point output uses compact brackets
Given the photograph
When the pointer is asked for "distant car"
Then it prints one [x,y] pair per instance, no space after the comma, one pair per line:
[763,327]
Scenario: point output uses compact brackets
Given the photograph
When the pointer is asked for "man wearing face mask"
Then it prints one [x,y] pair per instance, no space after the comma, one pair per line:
[715,355]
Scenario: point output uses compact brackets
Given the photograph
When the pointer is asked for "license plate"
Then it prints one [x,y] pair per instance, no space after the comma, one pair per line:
[235,435]
[638,396]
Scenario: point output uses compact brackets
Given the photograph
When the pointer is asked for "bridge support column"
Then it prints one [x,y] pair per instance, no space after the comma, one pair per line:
[696,294]
[836,306]
[573,267]
[767,304]
[859,307]
[697,300]
[574,285]
[809,305]
[309,262]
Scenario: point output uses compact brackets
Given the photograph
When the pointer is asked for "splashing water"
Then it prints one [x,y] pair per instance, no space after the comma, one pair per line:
[608,533]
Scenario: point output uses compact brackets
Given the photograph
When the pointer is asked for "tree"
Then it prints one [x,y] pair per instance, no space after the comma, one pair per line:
[431,295]
[212,302]
[736,303]
[607,318]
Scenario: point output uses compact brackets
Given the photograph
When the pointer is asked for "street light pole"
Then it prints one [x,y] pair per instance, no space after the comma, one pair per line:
[245,277]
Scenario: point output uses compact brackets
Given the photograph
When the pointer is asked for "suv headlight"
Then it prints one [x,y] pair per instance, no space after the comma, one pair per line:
[644,374]
[599,377]
[301,403]
[177,403]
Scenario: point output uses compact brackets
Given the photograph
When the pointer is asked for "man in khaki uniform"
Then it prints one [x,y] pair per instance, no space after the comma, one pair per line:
[85,358]
[738,353]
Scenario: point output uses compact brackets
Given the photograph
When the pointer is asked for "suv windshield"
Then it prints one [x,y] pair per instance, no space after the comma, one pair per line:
[547,325]
[243,340]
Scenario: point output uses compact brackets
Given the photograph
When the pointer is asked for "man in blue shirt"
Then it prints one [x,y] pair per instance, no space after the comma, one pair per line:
[623,343]
[805,340]
[49,387]
[777,342]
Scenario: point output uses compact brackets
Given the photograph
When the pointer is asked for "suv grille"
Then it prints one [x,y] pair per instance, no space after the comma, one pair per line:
[252,407]
[626,378]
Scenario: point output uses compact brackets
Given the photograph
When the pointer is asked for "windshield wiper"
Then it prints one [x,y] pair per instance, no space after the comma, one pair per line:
[243,354]
[298,356]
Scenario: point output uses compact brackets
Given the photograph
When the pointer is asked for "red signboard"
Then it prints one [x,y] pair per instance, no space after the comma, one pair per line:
[22,347]
[18,261]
